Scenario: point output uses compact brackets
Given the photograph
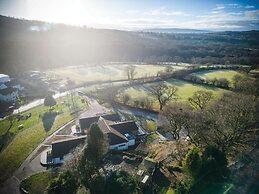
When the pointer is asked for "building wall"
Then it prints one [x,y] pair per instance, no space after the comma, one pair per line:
[131,142]
[57,161]
[122,146]
[9,97]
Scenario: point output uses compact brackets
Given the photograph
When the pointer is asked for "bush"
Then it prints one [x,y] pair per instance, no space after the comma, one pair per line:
[64,183]
[192,162]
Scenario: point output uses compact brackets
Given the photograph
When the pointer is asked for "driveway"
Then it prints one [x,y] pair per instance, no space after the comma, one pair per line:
[31,164]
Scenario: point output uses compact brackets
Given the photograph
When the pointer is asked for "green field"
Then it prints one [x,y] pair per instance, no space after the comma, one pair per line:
[83,74]
[218,74]
[41,124]
[38,183]
[185,90]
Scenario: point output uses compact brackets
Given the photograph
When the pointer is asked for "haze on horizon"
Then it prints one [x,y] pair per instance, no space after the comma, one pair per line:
[218,15]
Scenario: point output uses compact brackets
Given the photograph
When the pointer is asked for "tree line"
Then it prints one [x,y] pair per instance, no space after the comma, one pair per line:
[61,45]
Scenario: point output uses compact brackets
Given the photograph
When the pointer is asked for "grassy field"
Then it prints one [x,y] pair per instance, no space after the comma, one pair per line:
[185,90]
[37,184]
[105,72]
[227,74]
[36,129]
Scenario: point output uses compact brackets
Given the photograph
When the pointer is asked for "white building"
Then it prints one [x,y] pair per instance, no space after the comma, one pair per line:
[120,135]
[4,78]
[9,88]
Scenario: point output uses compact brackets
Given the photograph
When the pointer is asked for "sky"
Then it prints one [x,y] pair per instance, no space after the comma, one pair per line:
[216,15]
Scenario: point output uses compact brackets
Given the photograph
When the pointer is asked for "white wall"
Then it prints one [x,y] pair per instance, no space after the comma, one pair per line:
[4,78]
[57,161]
[122,146]
[131,142]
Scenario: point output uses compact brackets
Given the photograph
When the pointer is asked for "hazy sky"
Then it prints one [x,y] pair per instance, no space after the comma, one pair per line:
[140,14]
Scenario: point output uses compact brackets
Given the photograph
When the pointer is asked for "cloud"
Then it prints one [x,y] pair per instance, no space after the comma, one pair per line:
[163,11]
[219,7]
[249,7]
[234,5]
[226,20]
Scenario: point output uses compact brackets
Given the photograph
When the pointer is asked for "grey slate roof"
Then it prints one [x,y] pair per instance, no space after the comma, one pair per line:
[63,147]
[7,91]
[112,126]
[125,127]
[114,136]
[85,123]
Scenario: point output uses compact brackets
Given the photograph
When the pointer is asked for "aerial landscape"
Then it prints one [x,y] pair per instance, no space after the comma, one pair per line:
[129,97]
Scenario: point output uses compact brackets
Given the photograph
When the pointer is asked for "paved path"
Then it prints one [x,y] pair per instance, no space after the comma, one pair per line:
[37,103]
[31,164]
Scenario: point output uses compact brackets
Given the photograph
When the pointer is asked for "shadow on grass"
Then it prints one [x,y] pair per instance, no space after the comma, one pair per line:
[48,120]
[5,139]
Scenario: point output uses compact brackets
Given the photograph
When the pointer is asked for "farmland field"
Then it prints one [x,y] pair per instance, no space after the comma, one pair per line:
[185,90]
[105,72]
[218,74]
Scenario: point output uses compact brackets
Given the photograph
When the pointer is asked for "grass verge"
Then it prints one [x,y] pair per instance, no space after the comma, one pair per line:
[37,184]
[25,141]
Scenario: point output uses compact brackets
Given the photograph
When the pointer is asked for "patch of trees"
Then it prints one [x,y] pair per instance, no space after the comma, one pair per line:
[225,123]
[220,83]
[204,169]
[63,45]
[144,103]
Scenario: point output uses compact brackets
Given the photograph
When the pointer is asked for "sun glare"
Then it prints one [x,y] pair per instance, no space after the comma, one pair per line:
[76,12]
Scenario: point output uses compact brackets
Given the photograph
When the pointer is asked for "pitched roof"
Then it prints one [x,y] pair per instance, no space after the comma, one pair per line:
[12,82]
[86,122]
[7,91]
[112,117]
[63,147]
[114,136]
[125,127]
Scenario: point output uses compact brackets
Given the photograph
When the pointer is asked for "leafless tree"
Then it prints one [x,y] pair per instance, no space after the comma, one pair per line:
[163,93]
[131,72]
[200,99]
[177,116]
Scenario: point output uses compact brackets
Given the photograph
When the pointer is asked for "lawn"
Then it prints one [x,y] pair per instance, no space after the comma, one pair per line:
[36,129]
[151,138]
[37,184]
[218,74]
[105,72]
[185,90]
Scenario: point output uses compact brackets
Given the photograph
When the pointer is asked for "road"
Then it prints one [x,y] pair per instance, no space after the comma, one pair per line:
[37,103]
[31,164]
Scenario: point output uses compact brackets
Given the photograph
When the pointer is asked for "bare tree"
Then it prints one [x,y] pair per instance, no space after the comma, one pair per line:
[163,93]
[227,123]
[200,99]
[131,72]
[177,116]
[70,86]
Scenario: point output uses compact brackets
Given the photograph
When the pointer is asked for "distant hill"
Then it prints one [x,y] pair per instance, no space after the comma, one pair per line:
[27,45]
[175,30]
